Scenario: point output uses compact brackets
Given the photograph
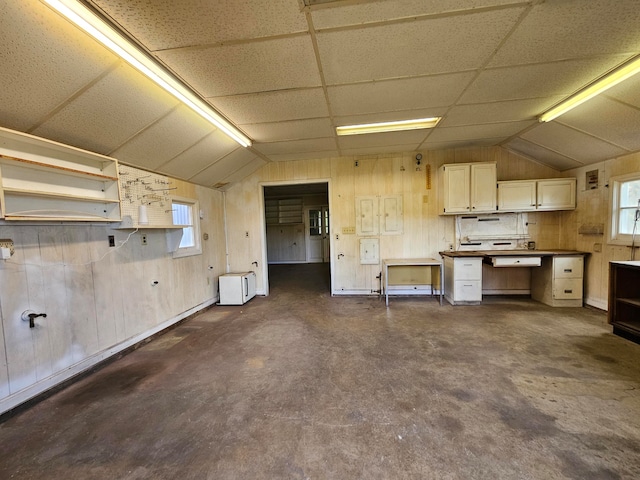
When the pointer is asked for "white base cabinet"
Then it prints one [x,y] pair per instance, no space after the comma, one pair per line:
[463,280]
[558,282]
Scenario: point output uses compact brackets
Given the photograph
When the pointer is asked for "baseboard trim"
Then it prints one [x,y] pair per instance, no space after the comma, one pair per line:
[47,386]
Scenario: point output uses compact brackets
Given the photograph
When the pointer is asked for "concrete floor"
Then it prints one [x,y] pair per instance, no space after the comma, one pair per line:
[301,385]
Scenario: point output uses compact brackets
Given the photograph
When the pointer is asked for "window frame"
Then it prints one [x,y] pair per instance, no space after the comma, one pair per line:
[614,237]
[196,249]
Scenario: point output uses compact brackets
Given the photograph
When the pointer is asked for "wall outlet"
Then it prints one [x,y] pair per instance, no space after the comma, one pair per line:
[6,243]
[112,240]
[143,239]
[348,230]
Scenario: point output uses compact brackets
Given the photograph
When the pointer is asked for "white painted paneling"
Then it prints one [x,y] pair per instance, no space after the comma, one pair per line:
[96,297]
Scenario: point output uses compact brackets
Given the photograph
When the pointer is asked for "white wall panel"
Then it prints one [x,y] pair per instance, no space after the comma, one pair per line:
[96,297]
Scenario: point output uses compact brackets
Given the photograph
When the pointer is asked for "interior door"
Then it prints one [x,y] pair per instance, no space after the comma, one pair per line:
[325,235]
[315,234]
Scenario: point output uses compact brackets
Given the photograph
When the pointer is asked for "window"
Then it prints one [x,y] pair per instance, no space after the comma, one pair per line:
[625,209]
[186,212]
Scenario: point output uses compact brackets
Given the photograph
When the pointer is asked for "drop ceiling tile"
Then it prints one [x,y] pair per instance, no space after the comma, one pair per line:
[273,106]
[485,142]
[570,29]
[296,146]
[607,119]
[288,157]
[543,155]
[200,155]
[514,110]
[110,112]
[627,91]
[537,81]
[439,45]
[571,143]
[224,167]
[239,175]
[45,60]
[410,137]
[402,94]
[275,64]
[291,130]
[164,24]
[472,132]
[163,140]
[359,13]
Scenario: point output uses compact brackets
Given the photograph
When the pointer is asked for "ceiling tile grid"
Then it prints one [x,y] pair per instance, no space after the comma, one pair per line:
[200,155]
[542,155]
[109,112]
[289,130]
[44,62]
[164,139]
[581,147]
[265,65]
[426,47]
[168,24]
[224,167]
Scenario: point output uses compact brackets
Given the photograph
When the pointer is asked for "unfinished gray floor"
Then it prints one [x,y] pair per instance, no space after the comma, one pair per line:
[301,385]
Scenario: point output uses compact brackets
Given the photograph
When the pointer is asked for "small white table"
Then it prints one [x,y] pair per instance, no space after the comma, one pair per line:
[410,262]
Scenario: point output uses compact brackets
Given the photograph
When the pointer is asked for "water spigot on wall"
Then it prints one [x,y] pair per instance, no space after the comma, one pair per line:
[30,316]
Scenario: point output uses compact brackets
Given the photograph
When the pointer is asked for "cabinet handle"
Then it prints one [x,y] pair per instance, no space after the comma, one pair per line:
[568,291]
[568,270]
[467,285]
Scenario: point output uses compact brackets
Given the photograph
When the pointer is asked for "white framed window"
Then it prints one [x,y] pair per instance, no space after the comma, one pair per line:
[186,212]
[624,220]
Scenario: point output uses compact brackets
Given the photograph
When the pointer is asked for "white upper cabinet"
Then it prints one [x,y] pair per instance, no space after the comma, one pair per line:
[537,195]
[557,194]
[467,188]
[379,215]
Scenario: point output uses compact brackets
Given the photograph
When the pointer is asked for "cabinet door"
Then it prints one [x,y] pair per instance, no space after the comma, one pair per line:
[483,188]
[516,196]
[557,194]
[456,187]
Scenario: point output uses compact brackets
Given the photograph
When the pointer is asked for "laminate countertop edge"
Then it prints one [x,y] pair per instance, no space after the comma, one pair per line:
[510,253]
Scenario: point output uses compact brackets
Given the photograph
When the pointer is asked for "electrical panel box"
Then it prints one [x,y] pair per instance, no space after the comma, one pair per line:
[369,251]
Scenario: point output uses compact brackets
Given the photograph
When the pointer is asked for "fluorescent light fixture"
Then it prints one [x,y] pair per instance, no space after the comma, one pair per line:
[92,24]
[592,90]
[399,126]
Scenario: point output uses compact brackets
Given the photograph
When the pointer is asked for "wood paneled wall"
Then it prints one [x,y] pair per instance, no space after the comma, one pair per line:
[593,208]
[425,232]
[96,298]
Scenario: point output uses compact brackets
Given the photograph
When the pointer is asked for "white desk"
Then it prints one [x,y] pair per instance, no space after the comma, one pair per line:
[411,262]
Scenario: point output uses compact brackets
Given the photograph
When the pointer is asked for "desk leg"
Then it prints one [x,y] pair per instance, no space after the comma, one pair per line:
[440,267]
[386,286]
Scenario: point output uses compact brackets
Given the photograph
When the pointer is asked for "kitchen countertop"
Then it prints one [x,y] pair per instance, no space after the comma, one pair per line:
[510,253]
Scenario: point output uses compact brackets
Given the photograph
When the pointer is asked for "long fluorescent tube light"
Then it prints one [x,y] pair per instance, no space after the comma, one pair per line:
[88,21]
[415,124]
[592,90]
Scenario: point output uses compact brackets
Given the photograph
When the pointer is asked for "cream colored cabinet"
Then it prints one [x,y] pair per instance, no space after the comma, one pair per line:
[559,281]
[467,188]
[537,195]
[379,215]
[463,280]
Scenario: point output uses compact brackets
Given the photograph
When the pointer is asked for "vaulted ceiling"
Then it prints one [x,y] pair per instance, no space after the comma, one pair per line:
[287,74]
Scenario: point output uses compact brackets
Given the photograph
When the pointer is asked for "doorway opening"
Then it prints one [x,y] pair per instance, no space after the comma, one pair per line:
[298,227]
